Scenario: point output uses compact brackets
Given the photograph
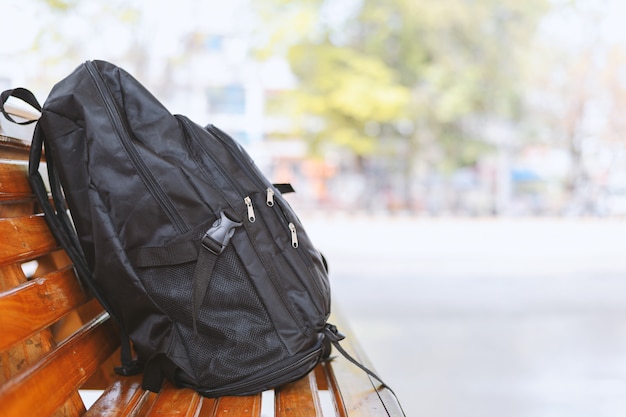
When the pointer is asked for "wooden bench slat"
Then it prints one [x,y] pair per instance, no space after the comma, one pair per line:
[73,407]
[11,275]
[24,238]
[15,149]
[47,385]
[182,402]
[124,397]
[299,399]
[320,377]
[355,393]
[14,184]
[249,406]
[17,358]
[361,399]
[36,304]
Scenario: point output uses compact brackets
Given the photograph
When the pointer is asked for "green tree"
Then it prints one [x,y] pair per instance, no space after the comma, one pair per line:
[408,83]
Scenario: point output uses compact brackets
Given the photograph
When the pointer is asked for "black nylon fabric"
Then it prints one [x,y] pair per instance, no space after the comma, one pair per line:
[143,187]
[230,326]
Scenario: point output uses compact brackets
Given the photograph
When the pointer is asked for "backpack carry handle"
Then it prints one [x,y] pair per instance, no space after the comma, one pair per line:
[23,94]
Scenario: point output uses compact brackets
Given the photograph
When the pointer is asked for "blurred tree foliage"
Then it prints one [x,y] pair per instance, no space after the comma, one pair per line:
[414,82]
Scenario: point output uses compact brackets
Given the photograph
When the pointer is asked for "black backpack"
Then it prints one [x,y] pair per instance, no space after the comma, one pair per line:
[184,241]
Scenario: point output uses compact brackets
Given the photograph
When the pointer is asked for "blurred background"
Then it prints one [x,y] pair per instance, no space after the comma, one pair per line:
[472,108]
[461,163]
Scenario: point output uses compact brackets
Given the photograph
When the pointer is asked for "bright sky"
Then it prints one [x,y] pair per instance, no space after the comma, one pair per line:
[598,20]
[157,28]
[160,29]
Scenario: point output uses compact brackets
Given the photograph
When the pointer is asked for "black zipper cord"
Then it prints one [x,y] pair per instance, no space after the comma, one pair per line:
[333,335]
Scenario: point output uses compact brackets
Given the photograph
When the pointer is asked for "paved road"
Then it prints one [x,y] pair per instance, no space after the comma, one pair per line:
[486,318]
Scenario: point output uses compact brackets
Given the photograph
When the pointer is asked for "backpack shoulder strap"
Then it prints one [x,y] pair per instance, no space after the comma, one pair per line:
[61,227]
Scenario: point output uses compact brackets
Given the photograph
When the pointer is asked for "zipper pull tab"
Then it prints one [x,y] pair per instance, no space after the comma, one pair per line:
[270,197]
[294,235]
[248,202]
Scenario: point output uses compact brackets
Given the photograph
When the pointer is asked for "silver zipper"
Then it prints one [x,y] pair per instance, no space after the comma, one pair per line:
[294,235]
[251,217]
[270,197]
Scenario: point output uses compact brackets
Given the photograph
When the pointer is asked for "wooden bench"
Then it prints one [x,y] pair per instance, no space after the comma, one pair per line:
[56,341]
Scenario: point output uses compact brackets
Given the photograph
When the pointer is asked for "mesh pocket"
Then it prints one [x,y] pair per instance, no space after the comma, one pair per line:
[235,337]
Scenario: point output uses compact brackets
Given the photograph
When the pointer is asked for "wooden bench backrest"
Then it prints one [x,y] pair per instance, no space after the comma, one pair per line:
[55,338]
[46,352]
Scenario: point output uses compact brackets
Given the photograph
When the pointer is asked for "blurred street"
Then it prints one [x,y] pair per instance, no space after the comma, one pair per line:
[486,318]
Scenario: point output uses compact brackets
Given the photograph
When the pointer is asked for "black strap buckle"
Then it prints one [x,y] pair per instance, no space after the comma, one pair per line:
[218,236]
